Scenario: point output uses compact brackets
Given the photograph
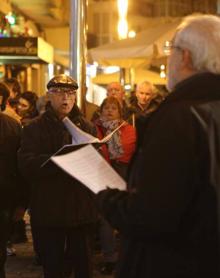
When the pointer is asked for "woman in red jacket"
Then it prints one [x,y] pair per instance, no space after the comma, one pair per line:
[118,152]
[120,148]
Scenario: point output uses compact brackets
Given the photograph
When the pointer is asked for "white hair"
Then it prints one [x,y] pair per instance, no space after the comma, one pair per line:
[147,83]
[200,34]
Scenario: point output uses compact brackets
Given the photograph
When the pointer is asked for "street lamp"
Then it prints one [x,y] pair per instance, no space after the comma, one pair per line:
[122,23]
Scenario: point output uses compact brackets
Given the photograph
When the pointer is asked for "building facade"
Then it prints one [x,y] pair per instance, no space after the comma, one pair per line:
[103,15]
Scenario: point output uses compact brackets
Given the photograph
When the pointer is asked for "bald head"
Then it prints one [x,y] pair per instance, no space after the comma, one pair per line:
[116,90]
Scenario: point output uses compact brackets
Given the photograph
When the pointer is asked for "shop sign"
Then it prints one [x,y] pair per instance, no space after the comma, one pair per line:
[25,50]
[18,46]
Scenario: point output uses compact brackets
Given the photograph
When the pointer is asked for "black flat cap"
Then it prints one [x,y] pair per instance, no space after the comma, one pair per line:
[62,80]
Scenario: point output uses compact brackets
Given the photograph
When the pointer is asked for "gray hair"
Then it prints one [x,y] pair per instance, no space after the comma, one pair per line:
[200,34]
[147,83]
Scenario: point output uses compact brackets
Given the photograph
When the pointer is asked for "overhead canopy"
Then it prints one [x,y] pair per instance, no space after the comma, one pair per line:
[134,52]
[139,76]
[25,50]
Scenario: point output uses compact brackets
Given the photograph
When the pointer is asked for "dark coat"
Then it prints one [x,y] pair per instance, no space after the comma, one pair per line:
[169,218]
[57,199]
[12,188]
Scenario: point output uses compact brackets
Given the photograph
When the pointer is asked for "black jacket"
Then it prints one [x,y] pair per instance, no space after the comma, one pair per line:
[169,218]
[57,199]
[12,188]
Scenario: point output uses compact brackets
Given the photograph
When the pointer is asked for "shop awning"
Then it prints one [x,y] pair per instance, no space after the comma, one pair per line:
[22,50]
[135,52]
[140,74]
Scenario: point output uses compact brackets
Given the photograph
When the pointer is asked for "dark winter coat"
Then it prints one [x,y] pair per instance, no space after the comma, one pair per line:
[57,199]
[169,219]
[12,188]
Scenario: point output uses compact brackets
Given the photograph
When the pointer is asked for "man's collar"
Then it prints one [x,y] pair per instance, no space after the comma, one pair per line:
[199,86]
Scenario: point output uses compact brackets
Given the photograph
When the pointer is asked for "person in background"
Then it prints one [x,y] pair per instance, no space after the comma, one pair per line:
[15,91]
[41,104]
[63,212]
[12,194]
[148,99]
[120,148]
[26,107]
[169,218]
[27,110]
[4,95]
[118,152]
[116,90]
[132,95]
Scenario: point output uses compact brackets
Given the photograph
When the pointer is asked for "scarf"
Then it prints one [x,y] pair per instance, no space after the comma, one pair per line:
[115,148]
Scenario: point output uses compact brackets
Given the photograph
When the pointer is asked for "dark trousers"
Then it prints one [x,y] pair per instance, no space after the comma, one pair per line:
[4,233]
[63,250]
[107,241]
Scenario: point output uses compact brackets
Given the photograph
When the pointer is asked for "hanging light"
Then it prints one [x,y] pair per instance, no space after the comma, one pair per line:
[122,23]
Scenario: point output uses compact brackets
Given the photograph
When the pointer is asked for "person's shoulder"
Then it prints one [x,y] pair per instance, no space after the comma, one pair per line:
[10,124]
[8,119]
[11,112]
[36,123]
[175,115]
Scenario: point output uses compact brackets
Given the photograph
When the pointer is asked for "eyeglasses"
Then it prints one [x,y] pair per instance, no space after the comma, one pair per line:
[61,91]
[168,46]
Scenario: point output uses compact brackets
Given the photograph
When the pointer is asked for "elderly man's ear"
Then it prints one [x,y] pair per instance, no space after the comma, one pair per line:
[187,60]
[187,64]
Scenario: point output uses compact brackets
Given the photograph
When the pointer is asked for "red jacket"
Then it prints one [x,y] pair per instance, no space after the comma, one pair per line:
[128,140]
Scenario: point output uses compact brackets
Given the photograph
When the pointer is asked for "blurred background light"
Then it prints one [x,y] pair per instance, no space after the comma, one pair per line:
[132,34]
[122,22]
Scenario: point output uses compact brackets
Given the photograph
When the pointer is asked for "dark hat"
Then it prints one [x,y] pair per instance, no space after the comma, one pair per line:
[62,80]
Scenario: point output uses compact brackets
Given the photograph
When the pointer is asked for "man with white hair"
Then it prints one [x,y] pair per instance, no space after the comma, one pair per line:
[148,98]
[169,217]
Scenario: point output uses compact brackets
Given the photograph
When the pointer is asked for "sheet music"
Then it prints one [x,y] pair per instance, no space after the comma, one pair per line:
[78,135]
[90,168]
[81,137]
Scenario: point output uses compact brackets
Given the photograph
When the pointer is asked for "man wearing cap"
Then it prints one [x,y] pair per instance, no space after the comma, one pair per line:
[62,210]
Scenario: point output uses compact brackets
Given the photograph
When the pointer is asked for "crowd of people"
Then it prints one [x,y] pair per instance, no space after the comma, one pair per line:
[83,222]
[166,147]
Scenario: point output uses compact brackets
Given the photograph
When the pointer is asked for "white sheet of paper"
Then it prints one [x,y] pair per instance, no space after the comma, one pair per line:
[90,168]
[78,135]
[81,137]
